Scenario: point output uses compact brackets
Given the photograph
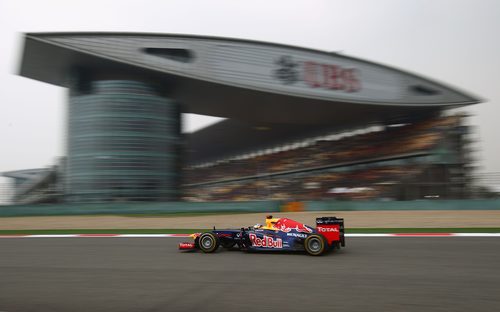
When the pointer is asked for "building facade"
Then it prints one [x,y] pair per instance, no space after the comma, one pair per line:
[127,92]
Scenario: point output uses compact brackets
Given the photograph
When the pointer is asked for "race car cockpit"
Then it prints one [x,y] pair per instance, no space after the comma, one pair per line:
[270,224]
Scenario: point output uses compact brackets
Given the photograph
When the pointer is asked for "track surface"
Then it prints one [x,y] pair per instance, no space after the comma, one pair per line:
[149,274]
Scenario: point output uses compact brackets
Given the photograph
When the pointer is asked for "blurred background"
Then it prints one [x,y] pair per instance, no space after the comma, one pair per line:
[450,154]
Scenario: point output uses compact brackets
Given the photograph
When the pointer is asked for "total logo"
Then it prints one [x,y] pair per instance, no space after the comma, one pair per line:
[266,241]
[324,229]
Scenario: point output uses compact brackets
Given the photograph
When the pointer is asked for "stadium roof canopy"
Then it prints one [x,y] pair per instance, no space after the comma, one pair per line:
[269,92]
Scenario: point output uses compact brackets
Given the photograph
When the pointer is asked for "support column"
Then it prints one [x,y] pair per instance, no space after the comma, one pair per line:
[122,142]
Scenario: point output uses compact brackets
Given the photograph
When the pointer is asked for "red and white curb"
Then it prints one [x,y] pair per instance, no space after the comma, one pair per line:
[91,235]
[187,235]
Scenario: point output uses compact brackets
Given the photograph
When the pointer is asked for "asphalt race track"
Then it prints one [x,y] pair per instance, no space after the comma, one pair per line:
[150,274]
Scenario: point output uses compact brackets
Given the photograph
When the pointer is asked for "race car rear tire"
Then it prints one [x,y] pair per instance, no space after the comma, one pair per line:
[315,245]
[208,242]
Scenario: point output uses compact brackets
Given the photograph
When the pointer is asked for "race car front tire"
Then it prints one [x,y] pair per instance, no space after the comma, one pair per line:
[208,242]
[315,245]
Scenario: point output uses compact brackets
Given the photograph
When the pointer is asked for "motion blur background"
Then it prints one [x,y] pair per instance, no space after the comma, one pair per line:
[451,41]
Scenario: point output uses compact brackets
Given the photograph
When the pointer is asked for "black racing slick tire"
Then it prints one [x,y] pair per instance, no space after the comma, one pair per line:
[208,242]
[315,245]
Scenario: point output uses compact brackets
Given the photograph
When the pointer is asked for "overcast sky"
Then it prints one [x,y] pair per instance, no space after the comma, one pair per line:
[455,42]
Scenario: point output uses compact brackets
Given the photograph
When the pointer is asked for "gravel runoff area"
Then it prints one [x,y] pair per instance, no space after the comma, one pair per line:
[353,219]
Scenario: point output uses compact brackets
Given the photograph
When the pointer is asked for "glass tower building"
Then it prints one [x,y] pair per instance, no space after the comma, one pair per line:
[122,142]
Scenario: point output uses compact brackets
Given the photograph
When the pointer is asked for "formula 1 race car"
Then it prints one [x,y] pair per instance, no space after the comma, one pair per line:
[276,234]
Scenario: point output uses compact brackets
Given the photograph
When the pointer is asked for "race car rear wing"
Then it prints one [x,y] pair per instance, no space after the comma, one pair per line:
[332,228]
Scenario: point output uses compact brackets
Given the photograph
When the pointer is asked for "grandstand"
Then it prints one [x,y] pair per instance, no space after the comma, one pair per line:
[300,124]
[42,185]
[424,159]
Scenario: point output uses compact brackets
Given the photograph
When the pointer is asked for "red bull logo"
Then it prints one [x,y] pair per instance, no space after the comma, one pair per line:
[287,225]
[266,241]
[303,229]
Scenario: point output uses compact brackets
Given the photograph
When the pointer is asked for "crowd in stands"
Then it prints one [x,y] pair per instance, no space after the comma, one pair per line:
[350,185]
[292,175]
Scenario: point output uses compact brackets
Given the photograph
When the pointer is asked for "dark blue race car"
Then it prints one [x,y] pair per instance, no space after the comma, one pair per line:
[277,234]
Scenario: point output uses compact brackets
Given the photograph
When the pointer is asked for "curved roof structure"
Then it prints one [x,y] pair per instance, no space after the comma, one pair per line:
[286,88]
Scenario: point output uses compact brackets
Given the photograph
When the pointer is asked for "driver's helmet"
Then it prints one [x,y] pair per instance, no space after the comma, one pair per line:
[271,222]
[257,226]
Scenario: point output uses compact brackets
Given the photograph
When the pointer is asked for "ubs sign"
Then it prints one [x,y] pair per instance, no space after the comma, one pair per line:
[317,75]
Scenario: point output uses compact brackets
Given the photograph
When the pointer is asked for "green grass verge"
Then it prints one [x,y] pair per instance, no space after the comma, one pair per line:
[184,231]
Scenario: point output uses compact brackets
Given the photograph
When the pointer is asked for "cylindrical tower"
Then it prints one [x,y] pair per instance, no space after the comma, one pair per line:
[122,142]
